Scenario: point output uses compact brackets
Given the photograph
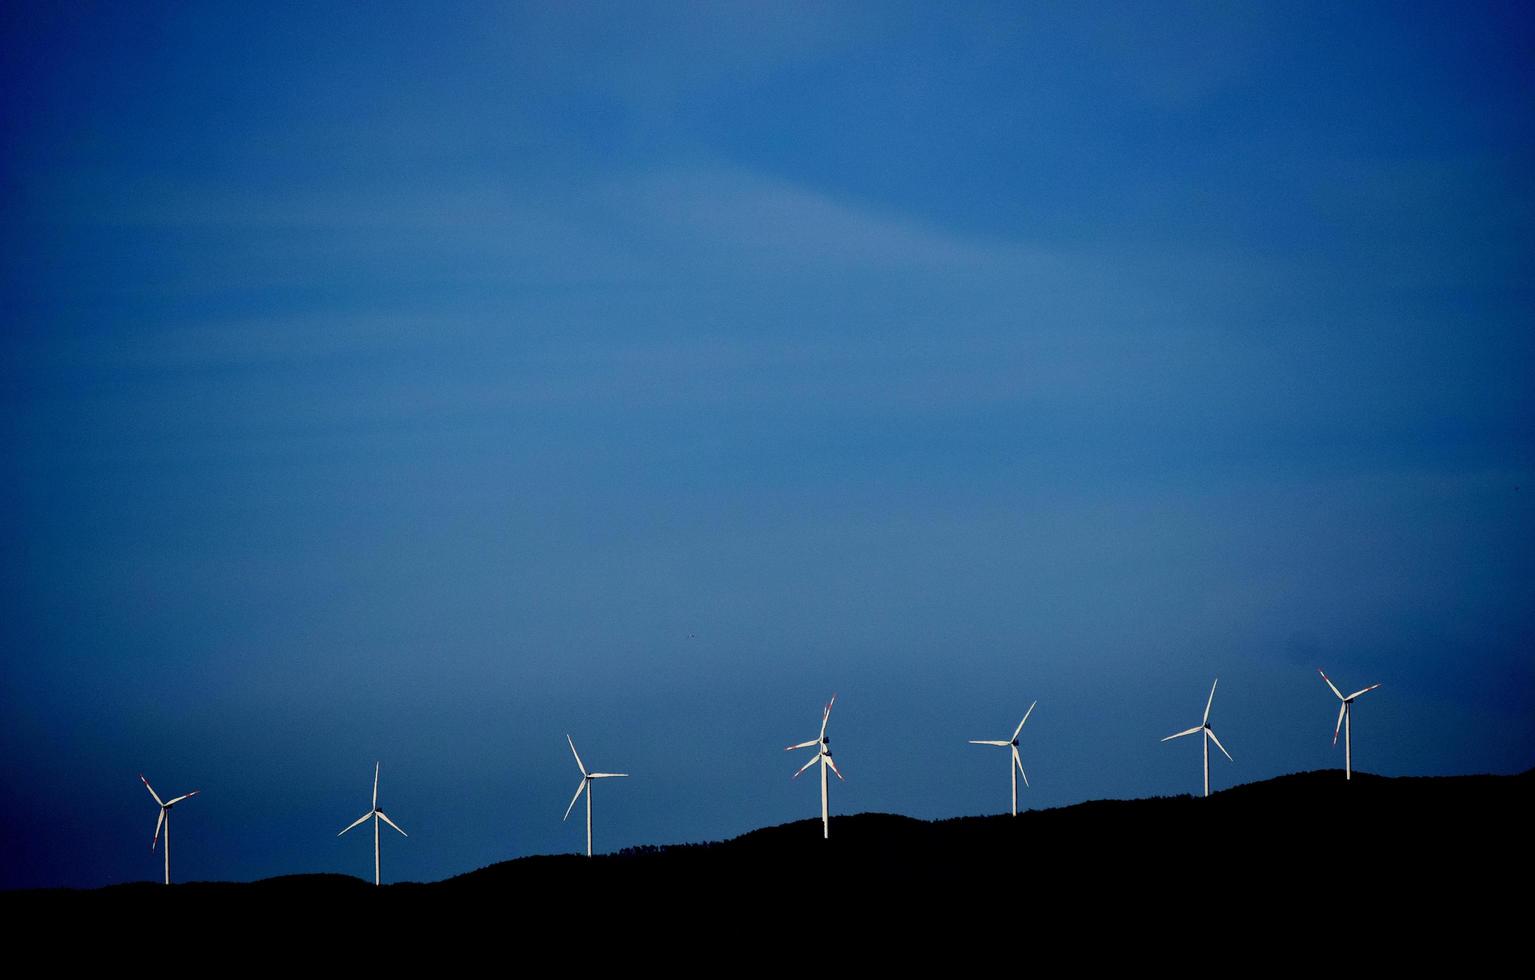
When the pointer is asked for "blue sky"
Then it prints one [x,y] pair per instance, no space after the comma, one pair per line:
[420,384]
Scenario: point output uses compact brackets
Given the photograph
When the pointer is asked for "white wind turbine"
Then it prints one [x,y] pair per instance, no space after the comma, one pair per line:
[586,787]
[1204,726]
[1345,713]
[1016,767]
[377,815]
[823,756]
[165,821]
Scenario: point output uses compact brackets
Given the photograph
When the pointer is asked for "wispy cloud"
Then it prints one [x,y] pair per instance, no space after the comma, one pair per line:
[772,225]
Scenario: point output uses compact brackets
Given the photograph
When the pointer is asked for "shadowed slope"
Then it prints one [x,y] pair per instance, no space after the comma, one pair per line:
[1374,854]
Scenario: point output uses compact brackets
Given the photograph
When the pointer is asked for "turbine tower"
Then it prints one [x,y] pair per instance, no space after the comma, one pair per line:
[1204,726]
[823,756]
[164,821]
[377,815]
[586,787]
[1016,767]
[1345,713]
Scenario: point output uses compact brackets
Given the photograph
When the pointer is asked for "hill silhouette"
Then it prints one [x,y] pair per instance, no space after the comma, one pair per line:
[1300,862]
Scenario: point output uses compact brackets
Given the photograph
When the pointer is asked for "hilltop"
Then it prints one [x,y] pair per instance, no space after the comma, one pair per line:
[1305,852]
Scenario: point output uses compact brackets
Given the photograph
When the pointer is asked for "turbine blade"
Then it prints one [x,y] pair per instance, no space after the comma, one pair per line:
[151,790]
[573,752]
[1330,683]
[826,716]
[1211,732]
[833,767]
[1019,763]
[1210,702]
[987,741]
[579,790]
[605,775]
[385,817]
[1183,733]
[1365,691]
[1342,709]
[183,796]
[1025,718]
[375,785]
[813,760]
[803,745]
[356,822]
[156,839]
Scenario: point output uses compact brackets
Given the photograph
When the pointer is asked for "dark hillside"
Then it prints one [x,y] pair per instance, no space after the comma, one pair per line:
[1307,861]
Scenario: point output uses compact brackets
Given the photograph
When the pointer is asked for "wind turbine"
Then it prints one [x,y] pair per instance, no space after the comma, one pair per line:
[1204,726]
[1016,768]
[1345,712]
[823,756]
[377,815]
[586,787]
[165,821]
